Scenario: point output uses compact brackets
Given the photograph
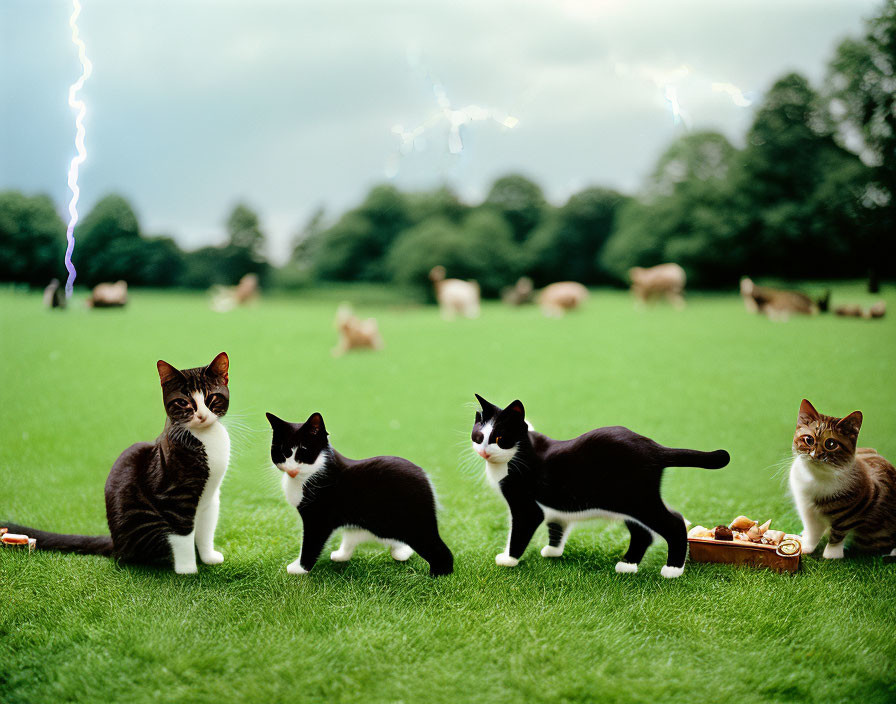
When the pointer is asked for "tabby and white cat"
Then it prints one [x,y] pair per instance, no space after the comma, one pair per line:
[841,489]
[383,499]
[607,473]
[162,498]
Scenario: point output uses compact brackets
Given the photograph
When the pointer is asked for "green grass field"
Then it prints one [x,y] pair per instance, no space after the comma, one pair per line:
[80,386]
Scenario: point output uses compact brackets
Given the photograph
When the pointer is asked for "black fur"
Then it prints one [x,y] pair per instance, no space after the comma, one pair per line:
[388,496]
[153,488]
[612,469]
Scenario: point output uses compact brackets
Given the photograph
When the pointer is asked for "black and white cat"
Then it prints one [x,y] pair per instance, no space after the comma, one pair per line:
[162,497]
[609,473]
[385,499]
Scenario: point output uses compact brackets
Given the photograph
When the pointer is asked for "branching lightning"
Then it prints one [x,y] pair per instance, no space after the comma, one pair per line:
[77,104]
[455,118]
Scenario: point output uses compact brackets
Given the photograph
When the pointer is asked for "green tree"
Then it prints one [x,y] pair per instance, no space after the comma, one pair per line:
[520,201]
[566,245]
[861,96]
[32,239]
[107,242]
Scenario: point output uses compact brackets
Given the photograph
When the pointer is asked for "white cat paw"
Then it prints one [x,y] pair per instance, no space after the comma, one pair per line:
[626,567]
[833,552]
[506,560]
[808,544]
[186,569]
[296,568]
[551,551]
[339,556]
[402,552]
[212,558]
[670,572]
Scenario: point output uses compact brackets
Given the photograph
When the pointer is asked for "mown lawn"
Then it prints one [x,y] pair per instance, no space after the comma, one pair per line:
[80,386]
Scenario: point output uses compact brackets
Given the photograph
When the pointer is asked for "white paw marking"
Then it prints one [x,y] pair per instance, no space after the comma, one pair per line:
[402,552]
[212,558]
[340,556]
[506,560]
[296,568]
[186,569]
[670,572]
[628,568]
[833,552]
[551,551]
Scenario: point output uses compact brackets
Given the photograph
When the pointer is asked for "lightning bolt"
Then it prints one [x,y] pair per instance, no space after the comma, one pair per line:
[74,102]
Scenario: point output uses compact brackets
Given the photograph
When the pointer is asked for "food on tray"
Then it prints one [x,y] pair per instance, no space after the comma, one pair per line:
[723,533]
[16,539]
[746,542]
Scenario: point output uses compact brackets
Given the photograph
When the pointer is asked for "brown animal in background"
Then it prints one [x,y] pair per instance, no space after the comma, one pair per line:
[663,280]
[520,293]
[455,296]
[854,310]
[109,295]
[54,295]
[355,333]
[778,304]
[227,298]
[560,297]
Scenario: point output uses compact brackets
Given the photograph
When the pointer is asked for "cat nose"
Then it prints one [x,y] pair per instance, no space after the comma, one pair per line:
[482,453]
[201,417]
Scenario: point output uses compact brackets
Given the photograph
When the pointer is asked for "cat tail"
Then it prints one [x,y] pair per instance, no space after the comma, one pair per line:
[82,544]
[674,457]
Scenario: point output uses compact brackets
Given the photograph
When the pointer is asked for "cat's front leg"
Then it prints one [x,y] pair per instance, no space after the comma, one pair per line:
[313,540]
[557,534]
[834,549]
[206,522]
[524,521]
[183,552]
[814,528]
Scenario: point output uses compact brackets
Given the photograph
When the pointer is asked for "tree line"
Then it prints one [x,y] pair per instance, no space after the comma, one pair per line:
[811,194]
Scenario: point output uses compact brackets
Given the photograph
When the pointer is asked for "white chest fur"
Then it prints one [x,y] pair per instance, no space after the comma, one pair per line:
[810,480]
[292,489]
[216,442]
[495,472]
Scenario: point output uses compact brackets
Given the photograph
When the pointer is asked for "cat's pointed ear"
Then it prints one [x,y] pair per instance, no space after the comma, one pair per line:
[488,409]
[478,416]
[219,366]
[275,422]
[315,424]
[515,410]
[807,413]
[851,424]
[167,372]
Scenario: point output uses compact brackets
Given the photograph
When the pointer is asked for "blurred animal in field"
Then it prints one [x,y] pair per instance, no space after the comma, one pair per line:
[355,333]
[779,304]
[663,280]
[109,295]
[854,310]
[54,295]
[557,298]
[455,297]
[520,293]
[227,298]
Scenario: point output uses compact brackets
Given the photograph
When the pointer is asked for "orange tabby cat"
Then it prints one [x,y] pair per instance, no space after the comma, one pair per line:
[839,488]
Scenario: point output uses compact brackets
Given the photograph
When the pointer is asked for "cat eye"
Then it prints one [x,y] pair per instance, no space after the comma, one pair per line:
[181,402]
[831,444]
[213,398]
[498,439]
[809,440]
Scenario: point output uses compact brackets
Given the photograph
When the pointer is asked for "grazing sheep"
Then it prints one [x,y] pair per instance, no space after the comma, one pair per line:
[355,333]
[109,295]
[54,295]
[455,296]
[665,280]
[227,298]
[560,297]
[778,304]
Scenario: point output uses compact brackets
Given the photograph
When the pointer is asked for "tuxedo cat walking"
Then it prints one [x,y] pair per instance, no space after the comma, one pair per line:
[609,472]
[162,498]
[383,499]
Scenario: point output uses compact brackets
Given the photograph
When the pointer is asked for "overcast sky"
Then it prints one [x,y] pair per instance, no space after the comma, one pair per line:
[194,106]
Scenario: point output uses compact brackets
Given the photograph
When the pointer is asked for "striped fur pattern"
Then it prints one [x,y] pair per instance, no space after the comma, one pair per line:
[154,489]
[839,488]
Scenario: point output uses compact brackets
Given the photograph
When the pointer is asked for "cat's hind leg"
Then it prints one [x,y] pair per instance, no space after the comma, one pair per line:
[671,526]
[206,521]
[400,551]
[350,540]
[557,535]
[641,538]
[433,549]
